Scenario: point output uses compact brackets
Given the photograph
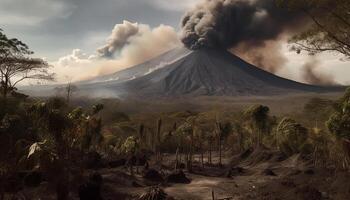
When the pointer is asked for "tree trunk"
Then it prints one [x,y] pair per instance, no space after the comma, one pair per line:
[210,149]
[220,152]
[177,160]
[202,156]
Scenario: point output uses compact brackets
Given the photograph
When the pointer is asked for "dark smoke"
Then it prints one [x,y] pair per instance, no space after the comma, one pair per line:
[227,23]
[311,76]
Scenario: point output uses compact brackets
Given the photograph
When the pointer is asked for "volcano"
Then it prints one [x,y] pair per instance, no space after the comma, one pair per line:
[204,72]
[185,73]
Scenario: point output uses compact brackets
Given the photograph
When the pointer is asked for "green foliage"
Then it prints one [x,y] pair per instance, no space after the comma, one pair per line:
[339,122]
[131,145]
[258,119]
[291,136]
[258,115]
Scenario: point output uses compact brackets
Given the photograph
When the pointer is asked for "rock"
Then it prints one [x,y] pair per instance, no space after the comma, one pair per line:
[178,177]
[235,171]
[153,175]
[117,163]
[134,161]
[181,166]
[93,160]
[96,178]
[309,172]
[91,190]
[268,172]
[33,179]
[136,184]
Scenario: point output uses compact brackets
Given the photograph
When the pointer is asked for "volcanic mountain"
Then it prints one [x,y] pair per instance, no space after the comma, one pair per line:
[204,72]
[181,72]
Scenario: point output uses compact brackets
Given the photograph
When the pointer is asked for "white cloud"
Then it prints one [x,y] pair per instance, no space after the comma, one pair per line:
[76,58]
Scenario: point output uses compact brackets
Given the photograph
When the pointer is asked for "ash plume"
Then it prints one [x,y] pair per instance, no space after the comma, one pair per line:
[311,76]
[267,56]
[227,23]
[119,38]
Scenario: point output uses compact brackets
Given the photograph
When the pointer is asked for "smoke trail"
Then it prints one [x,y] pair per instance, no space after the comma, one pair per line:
[119,38]
[310,75]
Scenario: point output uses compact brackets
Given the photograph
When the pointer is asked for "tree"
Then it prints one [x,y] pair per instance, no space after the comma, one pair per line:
[339,125]
[258,116]
[291,136]
[16,65]
[339,122]
[330,30]
[222,133]
[70,89]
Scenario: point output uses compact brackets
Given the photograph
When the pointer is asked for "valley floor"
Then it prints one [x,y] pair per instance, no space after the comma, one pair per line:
[257,175]
[262,176]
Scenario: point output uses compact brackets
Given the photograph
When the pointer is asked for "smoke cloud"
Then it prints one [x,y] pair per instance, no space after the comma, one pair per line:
[252,29]
[267,56]
[228,23]
[114,56]
[312,76]
[119,38]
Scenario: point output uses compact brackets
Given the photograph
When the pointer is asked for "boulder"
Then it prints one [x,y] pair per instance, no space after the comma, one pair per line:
[269,172]
[91,189]
[153,175]
[178,177]
[33,179]
[117,163]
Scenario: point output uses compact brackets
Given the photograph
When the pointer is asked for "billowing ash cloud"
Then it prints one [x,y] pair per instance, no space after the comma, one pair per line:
[268,55]
[227,23]
[119,38]
[312,76]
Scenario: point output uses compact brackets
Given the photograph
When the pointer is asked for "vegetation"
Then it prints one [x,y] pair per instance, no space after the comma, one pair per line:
[63,139]
[16,65]
[331,26]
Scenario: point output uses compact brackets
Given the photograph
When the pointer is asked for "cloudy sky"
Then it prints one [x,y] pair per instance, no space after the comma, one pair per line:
[71,34]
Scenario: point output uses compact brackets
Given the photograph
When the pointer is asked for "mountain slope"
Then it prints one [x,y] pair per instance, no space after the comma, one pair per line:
[211,72]
[181,72]
[143,68]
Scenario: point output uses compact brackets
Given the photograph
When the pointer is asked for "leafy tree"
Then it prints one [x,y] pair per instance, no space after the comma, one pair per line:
[258,117]
[222,132]
[16,65]
[291,136]
[63,138]
[330,30]
[339,122]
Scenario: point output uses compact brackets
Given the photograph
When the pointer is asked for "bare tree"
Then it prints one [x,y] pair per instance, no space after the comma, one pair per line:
[16,65]
[70,89]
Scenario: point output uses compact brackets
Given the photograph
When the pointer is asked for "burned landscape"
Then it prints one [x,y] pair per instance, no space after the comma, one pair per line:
[216,110]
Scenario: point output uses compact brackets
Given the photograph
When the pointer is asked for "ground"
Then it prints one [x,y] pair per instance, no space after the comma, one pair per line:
[263,175]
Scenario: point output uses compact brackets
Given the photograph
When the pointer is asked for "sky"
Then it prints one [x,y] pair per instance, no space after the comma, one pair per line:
[71,34]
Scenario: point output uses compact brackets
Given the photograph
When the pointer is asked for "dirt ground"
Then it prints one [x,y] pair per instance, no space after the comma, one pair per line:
[256,175]
[263,175]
